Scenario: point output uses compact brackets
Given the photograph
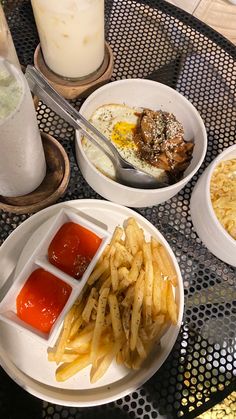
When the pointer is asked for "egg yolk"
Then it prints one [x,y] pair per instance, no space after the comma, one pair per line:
[122,135]
[73,248]
[41,299]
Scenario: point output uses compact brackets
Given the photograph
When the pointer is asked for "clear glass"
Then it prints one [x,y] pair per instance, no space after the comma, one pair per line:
[7,48]
[22,159]
[71,35]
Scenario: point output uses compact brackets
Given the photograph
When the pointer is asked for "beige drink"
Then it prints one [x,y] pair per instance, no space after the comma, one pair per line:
[22,160]
[71,35]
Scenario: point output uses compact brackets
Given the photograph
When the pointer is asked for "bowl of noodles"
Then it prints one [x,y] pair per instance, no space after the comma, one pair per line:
[213,206]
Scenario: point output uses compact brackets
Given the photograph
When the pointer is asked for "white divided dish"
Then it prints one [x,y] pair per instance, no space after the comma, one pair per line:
[205,222]
[25,358]
[37,258]
[140,93]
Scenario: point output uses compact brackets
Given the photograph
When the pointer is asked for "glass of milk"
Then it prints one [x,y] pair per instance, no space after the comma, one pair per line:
[22,159]
[71,35]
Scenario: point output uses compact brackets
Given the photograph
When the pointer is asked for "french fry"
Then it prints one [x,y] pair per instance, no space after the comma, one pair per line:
[126,321]
[119,357]
[157,257]
[162,258]
[77,323]
[143,334]
[148,282]
[136,361]
[104,363]
[68,355]
[94,315]
[136,312]
[103,277]
[99,324]
[101,367]
[98,271]
[140,348]
[104,254]
[105,284]
[169,269]
[155,328]
[165,326]
[61,344]
[129,297]
[157,289]
[118,256]
[131,239]
[115,317]
[123,274]
[114,274]
[126,355]
[67,370]
[84,336]
[89,305]
[164,297]
[77,320]
[138,231]
[122,256]
[107,320]
[134,271]
[171,305]
[116,237]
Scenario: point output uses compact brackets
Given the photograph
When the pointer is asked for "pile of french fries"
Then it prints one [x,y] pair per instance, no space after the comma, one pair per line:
[125,308]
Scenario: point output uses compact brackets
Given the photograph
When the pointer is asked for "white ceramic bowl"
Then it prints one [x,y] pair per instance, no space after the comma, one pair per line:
[150,94]
[206,224]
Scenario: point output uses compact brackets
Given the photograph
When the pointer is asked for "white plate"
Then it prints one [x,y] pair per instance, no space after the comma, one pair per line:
[25,359]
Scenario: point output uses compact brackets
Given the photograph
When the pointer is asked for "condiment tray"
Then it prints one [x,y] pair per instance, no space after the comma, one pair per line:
[39,259]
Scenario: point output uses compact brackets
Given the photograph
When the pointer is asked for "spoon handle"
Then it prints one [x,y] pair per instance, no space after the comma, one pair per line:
[41,88]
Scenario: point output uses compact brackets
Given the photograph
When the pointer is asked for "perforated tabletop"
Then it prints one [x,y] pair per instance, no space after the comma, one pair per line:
[156,40]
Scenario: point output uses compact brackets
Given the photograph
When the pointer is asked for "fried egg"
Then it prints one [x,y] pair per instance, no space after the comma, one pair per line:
[117,122]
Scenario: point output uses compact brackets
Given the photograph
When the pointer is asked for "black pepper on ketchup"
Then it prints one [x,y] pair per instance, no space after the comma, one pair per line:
[73,248]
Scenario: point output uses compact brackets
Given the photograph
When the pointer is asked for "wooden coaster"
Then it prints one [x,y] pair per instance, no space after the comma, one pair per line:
[53,185]
[79,88]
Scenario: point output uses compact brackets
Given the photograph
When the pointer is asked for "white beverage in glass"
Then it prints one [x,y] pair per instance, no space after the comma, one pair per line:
[22,159]
[71,35]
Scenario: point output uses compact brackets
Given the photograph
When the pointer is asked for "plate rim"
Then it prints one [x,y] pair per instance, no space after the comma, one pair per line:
[33,386]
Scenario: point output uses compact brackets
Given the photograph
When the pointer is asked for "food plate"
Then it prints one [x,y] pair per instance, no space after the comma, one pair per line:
[25,359]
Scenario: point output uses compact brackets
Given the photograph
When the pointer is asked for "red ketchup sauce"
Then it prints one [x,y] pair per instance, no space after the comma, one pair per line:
[41,299]
[72,249]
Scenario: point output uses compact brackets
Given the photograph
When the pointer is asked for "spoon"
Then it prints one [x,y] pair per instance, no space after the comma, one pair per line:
[126,173]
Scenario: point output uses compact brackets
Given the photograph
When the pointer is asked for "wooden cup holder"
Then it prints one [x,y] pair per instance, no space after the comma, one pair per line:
[72,89]
[53,185]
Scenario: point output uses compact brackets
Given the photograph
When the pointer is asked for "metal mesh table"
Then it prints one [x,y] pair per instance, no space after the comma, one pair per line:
[154,39]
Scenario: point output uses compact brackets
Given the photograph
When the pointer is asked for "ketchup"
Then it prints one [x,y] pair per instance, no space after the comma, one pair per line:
[72,249]
[41,299]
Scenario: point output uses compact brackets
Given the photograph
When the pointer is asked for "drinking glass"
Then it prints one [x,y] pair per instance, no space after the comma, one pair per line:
[22,159]
[71,35]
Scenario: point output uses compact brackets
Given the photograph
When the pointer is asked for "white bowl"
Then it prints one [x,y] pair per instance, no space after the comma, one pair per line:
[206,224]
[141,93]
[39,259]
